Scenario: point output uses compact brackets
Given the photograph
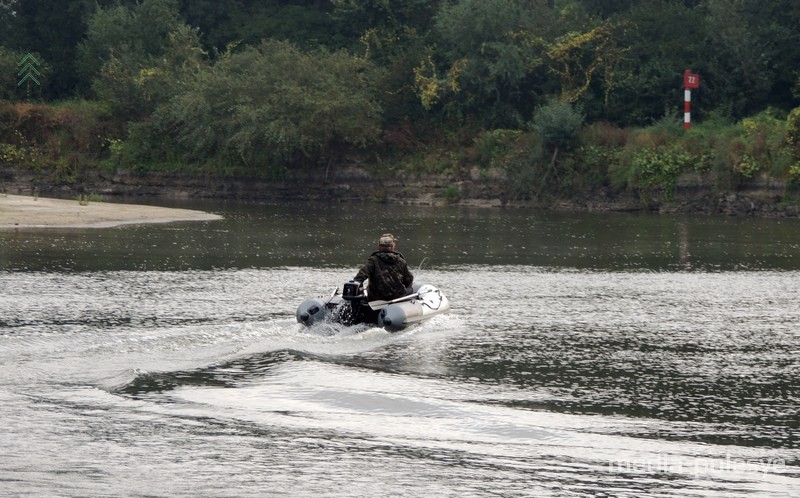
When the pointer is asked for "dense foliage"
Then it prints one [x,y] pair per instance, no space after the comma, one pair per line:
[565,94]
[270,106]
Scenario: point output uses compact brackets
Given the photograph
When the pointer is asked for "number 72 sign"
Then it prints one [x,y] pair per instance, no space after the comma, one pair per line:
[691,80]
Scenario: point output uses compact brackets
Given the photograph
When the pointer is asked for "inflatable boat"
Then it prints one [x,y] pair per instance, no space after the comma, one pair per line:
[351,307]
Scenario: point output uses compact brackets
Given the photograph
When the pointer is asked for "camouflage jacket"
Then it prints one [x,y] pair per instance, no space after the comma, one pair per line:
[388,275]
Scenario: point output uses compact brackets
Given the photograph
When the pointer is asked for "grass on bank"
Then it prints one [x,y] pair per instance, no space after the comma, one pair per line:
[556,155]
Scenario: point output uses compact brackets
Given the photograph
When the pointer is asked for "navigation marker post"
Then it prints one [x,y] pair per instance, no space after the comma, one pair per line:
[690,80]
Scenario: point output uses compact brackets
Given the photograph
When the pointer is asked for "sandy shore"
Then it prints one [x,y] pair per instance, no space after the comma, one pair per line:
[18,211]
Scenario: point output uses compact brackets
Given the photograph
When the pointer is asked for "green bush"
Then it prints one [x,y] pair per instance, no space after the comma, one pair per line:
[493,146]
[728,153]
[527,169]
[746,165]
[558,124]
[534,162]
[268,107]
[603,134]
[77,125]
[10,77]
[794,174]
[594,161]
[138,56]
[12,155]
[793,131]
[452,194]
[659,168]
[764,138]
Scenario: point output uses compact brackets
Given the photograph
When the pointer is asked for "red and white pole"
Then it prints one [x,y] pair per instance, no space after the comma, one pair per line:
[690,80]
[687,108]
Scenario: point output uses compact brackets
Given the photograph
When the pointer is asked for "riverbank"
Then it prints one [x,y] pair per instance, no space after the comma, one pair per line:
[38,212]
[693,193]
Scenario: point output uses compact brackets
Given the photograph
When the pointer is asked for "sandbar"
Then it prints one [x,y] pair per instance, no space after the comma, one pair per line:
[17,211]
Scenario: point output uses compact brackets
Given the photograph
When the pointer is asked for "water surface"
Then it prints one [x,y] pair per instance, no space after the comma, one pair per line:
[609,355]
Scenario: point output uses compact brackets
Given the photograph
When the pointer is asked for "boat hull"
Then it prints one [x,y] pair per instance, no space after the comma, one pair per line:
[424,303]
[429,303]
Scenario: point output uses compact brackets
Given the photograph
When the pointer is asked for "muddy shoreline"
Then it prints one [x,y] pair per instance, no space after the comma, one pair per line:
[759,197]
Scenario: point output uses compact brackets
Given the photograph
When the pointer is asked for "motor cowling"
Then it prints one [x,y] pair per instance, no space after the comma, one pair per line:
[352,291]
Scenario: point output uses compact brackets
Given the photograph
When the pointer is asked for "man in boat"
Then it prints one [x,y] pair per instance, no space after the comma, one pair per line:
[387,271]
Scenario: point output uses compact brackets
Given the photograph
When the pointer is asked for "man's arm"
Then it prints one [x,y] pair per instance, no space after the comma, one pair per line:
[365,271]
[408,278]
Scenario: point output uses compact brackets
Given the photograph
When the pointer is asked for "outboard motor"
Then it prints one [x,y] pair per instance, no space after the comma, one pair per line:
[355,308]
[352,310]
[352,291]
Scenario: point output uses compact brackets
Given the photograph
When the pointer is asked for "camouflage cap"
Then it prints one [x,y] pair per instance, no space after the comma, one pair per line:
[387,239]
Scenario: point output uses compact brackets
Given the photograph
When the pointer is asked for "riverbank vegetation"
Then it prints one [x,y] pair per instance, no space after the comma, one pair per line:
[552,99]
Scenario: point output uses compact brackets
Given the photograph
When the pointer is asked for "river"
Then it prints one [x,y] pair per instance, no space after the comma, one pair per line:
[585,355]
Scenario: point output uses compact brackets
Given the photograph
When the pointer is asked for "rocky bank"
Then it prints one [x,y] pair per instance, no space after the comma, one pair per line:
[759,197]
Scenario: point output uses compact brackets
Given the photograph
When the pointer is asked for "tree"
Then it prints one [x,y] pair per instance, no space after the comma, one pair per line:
[274,105]
[381,25]
[662,38]
[392,35]
[306,23]
[215,19]
[140,32]
[9,77]
[580,58]
[488,58]
[753,54]
[53,33]
[6,23]
[504,57]
[556,124]
[136,56]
